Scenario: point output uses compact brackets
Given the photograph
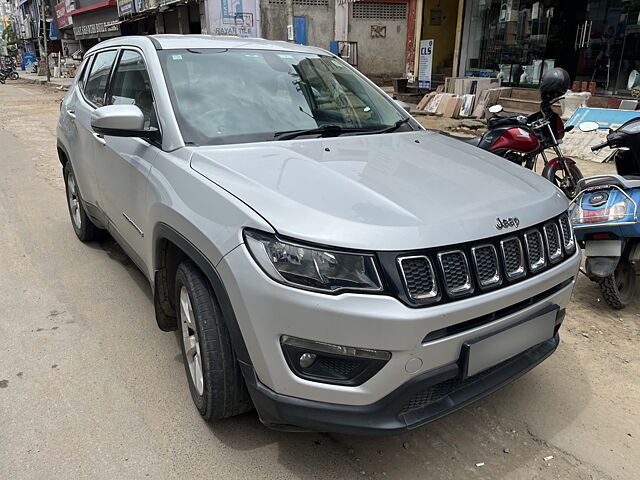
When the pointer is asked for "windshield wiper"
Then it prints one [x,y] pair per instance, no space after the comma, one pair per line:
[390,128]
[324,130]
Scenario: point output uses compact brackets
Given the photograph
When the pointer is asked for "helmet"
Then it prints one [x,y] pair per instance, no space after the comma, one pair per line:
[554,83]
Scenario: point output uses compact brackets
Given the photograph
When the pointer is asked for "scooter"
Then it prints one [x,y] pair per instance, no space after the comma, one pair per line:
[604,215]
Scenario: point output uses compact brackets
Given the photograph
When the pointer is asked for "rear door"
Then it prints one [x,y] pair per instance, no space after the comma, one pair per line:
[123,163]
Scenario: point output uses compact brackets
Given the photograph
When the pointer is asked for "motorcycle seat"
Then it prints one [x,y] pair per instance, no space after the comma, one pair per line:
[506,119]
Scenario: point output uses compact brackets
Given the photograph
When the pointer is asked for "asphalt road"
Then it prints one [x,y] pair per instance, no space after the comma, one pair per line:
[90,388]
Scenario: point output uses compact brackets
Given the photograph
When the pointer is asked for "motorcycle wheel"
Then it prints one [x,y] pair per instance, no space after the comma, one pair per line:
[2,80]
[568,184]
[14,76]
[618,289]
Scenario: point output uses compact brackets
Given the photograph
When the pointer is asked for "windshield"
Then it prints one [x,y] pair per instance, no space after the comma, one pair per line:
[223,96]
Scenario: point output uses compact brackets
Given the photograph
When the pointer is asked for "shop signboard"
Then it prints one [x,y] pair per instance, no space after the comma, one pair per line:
[95,29]
[425,65]
[144,5]
[235,17]
[63,17]
[126,7]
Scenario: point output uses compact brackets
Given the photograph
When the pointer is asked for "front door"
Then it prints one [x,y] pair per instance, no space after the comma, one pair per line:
[598,43]
[123,163]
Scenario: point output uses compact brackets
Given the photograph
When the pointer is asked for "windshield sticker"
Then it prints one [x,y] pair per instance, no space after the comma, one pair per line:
[367,109]
[337,63]
[284,55]
[176,57]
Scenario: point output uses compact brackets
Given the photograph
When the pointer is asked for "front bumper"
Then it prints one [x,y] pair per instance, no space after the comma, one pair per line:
[266,310]
[421,400]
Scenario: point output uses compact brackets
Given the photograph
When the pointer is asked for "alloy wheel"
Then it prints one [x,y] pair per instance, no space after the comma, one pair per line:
[191,341]
[74,201]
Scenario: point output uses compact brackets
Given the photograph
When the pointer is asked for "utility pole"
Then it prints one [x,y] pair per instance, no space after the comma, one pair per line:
[291,31]
[44,37]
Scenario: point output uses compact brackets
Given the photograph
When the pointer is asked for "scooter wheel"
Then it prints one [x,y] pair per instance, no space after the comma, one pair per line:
[618,289]
[14,76]
[2,80]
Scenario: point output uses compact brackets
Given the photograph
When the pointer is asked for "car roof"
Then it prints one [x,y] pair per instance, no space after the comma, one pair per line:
[170,42]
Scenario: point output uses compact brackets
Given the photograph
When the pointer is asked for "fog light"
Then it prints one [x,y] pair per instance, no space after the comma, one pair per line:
[330,363]
[307,359]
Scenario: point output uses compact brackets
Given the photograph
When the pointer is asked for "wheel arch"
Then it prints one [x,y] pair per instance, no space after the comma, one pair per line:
[63,156]
[170,248]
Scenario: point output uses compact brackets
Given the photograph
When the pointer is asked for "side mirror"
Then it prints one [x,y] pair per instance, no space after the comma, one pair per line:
[495,108]
[589,126]
[404,105]
[122,121]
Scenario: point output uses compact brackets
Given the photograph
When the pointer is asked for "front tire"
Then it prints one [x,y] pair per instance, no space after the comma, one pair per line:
[84,228]
[14,75]
[568,184]
[618,289]
[215,380]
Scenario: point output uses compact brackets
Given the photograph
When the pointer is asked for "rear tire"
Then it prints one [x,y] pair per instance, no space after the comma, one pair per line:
[84,228]
[14,76]
[556,175]
[213,373]
[619,288]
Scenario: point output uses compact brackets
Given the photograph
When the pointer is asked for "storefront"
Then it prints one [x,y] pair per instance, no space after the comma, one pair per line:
[95,20]
[596,41]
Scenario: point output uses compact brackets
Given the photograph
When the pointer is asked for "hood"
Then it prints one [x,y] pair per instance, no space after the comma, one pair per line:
[397,191]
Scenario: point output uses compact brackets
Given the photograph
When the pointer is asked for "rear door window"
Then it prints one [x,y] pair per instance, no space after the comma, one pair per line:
[96,84]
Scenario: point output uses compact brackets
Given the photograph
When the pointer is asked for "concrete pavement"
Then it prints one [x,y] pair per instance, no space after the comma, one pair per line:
[90,388]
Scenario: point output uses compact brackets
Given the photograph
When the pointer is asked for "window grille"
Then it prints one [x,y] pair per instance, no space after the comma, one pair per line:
[379,11]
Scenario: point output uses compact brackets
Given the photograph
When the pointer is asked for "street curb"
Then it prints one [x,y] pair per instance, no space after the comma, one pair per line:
[43,82]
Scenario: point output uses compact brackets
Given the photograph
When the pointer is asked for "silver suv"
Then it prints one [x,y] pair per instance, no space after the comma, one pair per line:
[325,259]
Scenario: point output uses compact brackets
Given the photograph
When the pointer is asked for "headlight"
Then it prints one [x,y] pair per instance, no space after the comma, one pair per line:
[310,267]
[608,213]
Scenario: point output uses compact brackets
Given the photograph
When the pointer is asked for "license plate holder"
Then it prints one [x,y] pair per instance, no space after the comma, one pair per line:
[484,352]
[603,248]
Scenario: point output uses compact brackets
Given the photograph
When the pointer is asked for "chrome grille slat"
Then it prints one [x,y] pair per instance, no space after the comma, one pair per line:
[513,257]
[568,240]
[456,273]
[535,250]
[485,259]
[552,239]
[419,277]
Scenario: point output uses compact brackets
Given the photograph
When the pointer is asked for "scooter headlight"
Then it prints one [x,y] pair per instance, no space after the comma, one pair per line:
[604,214]
[312,268]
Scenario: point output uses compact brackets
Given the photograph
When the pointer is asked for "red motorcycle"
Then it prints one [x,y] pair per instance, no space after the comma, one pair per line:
[522,139]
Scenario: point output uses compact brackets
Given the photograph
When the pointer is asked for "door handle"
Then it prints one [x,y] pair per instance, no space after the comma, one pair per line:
[577,43]
[99,138]
[72,114]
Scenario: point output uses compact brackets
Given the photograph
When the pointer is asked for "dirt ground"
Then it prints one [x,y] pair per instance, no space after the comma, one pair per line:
[90,388]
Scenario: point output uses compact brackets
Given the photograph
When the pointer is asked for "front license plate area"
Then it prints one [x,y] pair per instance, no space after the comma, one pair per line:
[485,352]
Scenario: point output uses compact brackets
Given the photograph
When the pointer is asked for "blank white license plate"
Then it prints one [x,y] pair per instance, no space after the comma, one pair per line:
[485,352]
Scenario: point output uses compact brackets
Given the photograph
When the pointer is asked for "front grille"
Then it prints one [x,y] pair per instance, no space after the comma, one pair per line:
[490,263]
[457,278]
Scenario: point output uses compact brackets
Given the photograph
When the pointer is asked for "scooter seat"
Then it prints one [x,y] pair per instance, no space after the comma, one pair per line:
[622,181]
